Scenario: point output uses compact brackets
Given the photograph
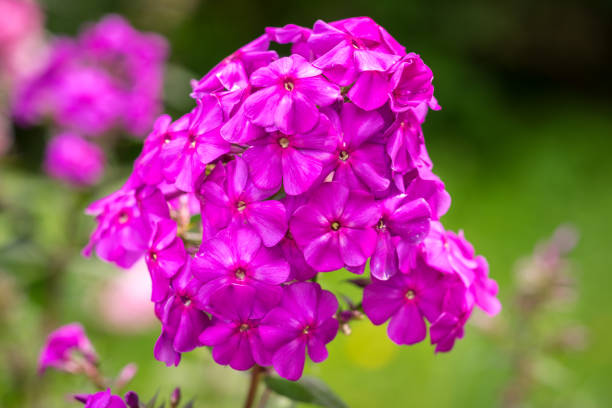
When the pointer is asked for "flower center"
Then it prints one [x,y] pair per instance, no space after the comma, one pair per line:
[186,301]
[335,225]
[209,168]
[123,218]
[306,330]
[167,139]
[381,225]
[288,84]
[240,274]
[354,43]
[154,256]
[244,327]
[241,205]
[283,142]
[343,155]
[410,295]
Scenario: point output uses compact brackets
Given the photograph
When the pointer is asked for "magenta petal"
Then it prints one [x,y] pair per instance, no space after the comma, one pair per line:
[328,305]
[368,60]
[407,326]
[289,360]
[296,114]
[261,106]
[164,351]
[300,171]
[224,352]
[243,357]
[323,254]
[371,90]
[270,267]
[370,164]
[192,323]
[237,177]
[216,334]
[269,220]
[356,245]
[331,199]
[316,350]
[265,166]
[381,301]
[327,330]
[319,91]
[411,220]
[277,328]
[383,263]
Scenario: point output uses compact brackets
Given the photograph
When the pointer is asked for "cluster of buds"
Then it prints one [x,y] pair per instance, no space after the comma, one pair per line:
[69,349]
[288,167]
[106,80]
[545,291]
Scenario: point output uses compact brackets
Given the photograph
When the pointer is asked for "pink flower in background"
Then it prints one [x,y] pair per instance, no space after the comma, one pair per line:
[108,78]
[124,301]
[74,160]
[21,39]
[59,346]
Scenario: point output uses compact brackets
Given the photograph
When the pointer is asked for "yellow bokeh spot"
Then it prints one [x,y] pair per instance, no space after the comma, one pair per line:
[368,346]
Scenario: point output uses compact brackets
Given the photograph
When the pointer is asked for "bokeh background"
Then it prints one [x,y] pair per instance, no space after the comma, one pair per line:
[523,144]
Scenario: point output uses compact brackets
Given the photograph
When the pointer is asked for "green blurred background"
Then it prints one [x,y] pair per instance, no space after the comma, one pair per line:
[522,142]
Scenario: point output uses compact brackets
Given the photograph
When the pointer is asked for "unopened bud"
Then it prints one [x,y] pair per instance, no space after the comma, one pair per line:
[175,398]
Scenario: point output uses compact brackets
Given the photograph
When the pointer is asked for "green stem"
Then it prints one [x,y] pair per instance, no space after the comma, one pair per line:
[256,375]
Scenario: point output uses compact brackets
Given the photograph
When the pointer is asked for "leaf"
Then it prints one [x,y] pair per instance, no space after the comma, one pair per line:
[324,396]
[308,389]
[189,404]
[151,403]
[360,282]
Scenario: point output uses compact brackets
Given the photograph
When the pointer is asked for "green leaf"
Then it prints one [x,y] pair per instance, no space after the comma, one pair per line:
[189,404]
[308,389]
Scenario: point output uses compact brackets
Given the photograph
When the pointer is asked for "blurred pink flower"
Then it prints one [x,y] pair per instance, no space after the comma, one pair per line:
[21,38]
[73,159]
[61,343]
[124,301]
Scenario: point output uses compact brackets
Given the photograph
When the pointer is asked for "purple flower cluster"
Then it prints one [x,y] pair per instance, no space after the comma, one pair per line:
[108,79]
[61,344]
[288,167]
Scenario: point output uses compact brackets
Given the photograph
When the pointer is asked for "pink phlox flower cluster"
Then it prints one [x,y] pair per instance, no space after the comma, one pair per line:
[109,77]
[288,167]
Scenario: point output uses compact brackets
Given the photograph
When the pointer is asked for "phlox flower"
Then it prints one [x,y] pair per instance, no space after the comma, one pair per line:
[237,201]
[295,160]
[71,158]
[291,90]
[234,334]
[405,299]
[182,318]
[303,322]
[237,257]
[61,343]
[336,227]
